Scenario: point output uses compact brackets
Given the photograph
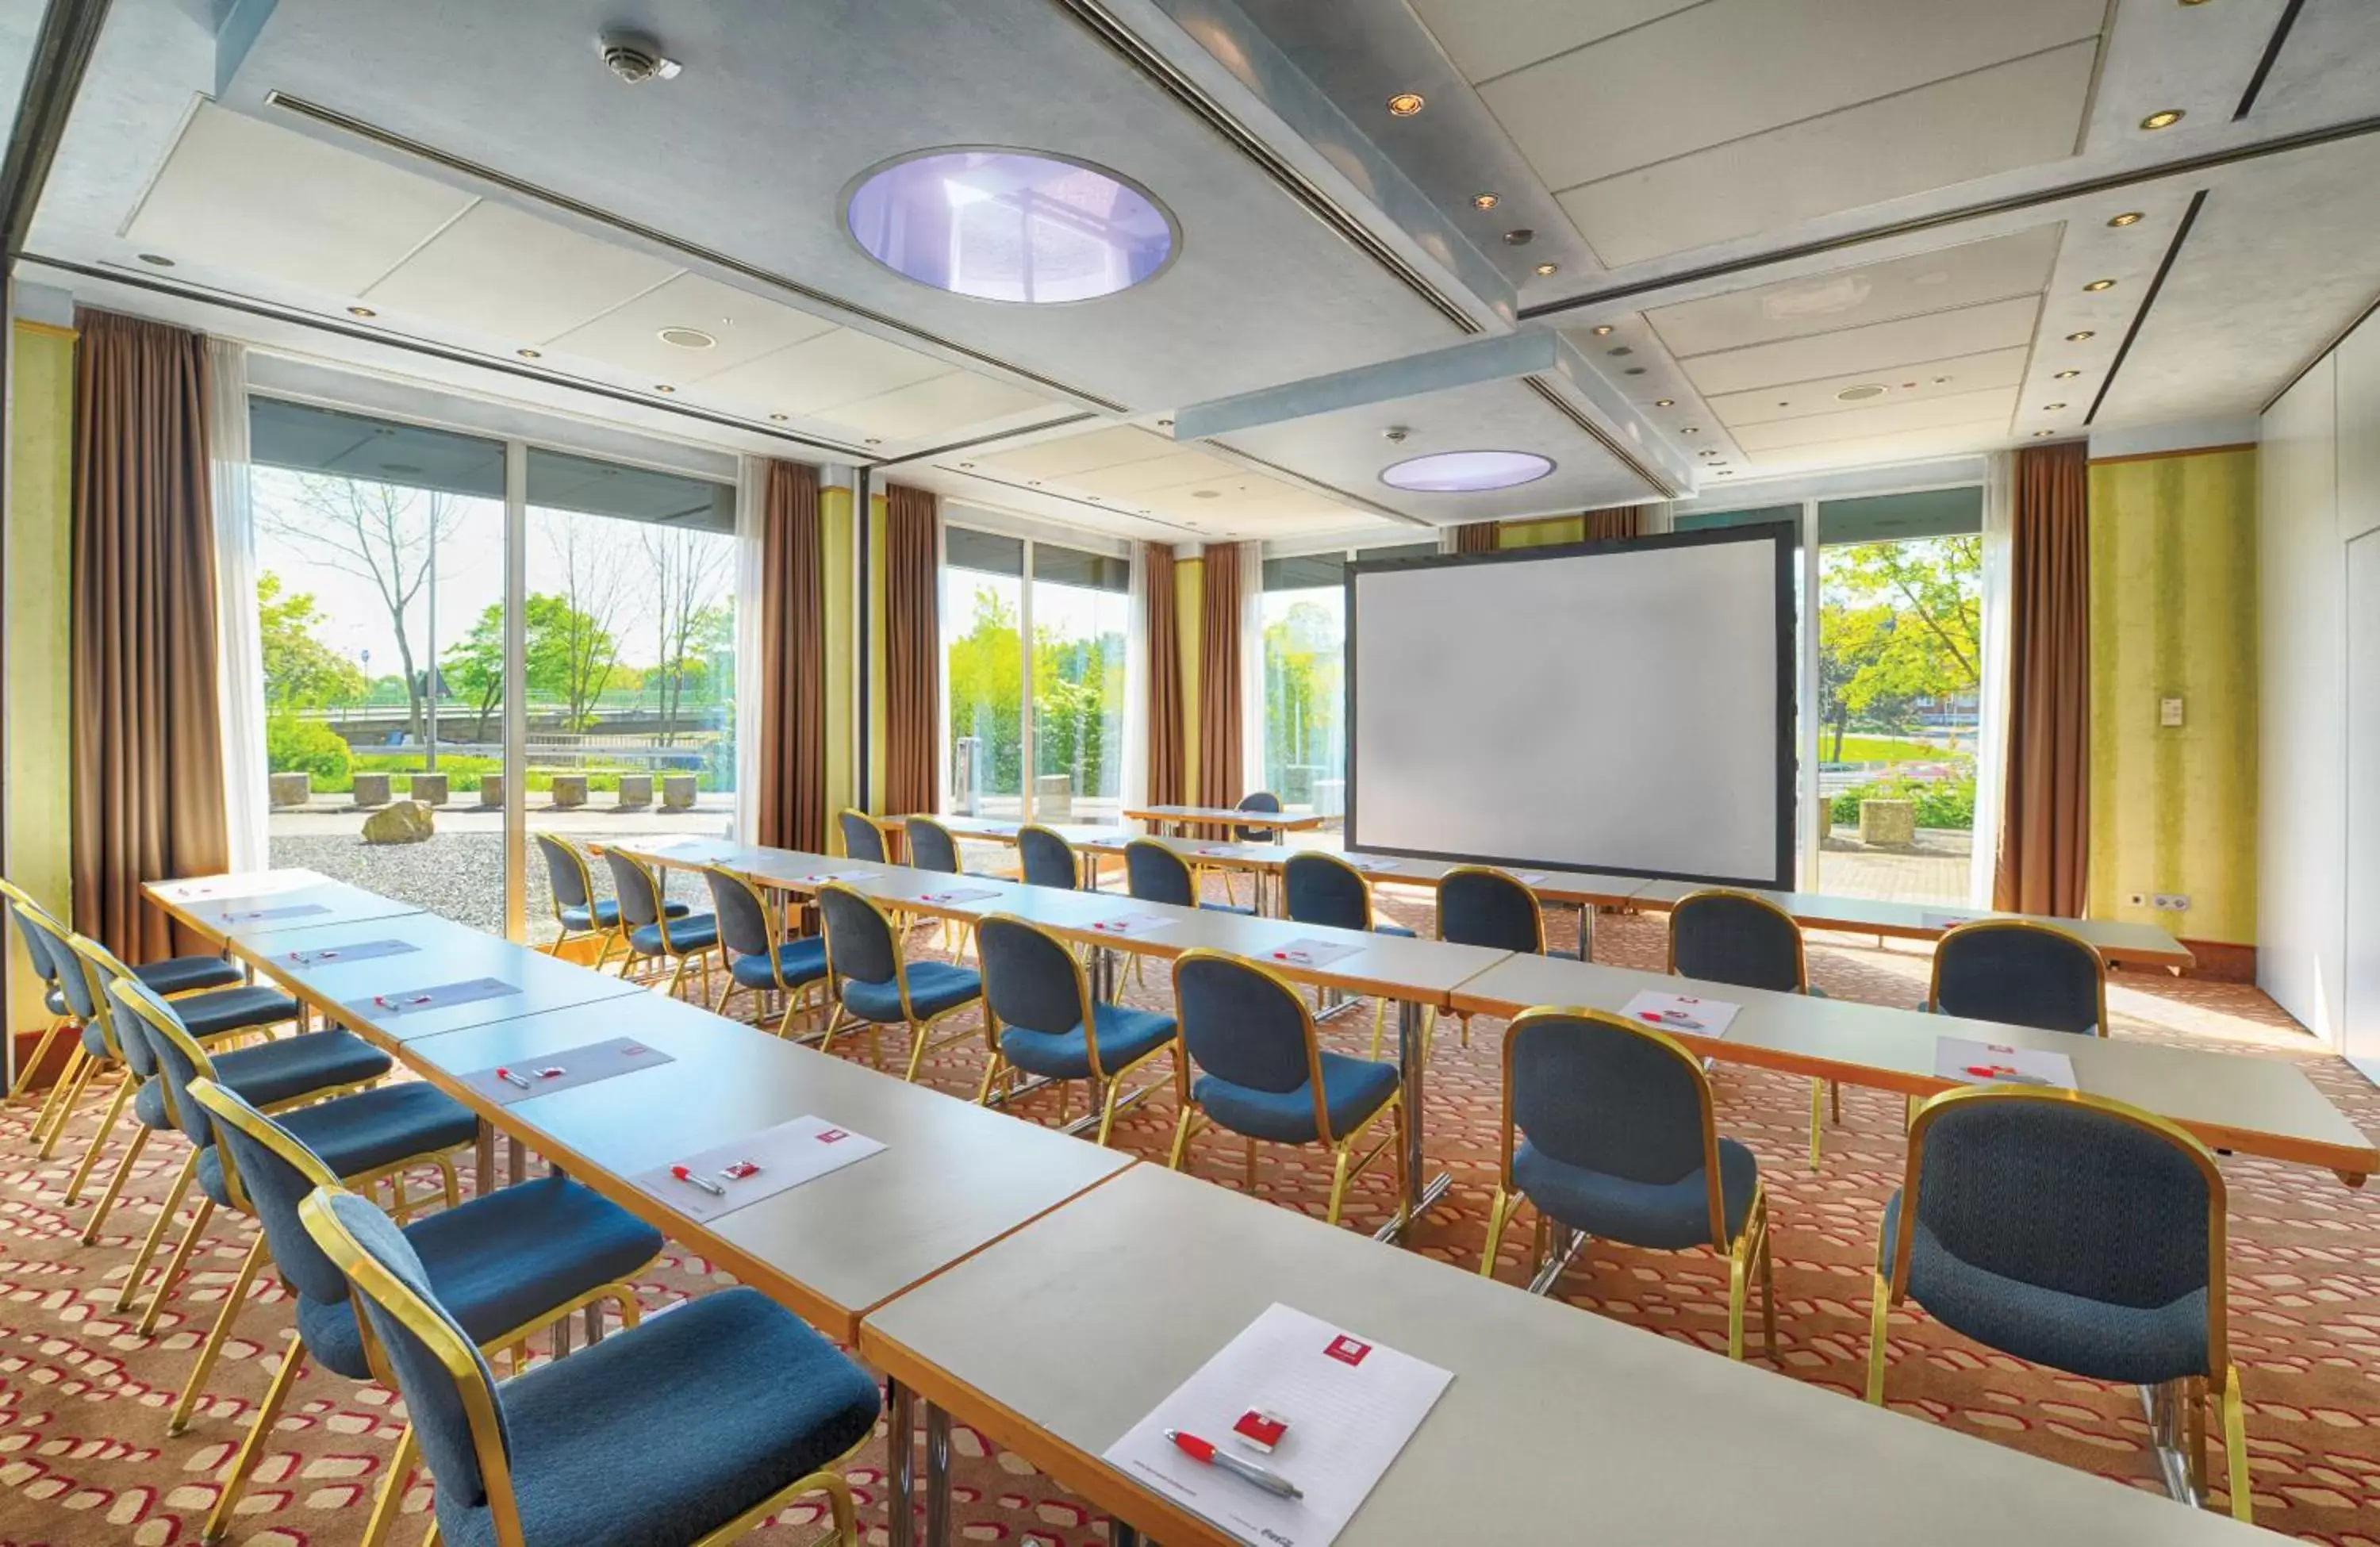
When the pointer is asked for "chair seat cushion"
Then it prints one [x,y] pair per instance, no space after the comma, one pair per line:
[376,1127]
[1393,929]
[801,961]
[1353,1087]
[1666,1216]
[606,915]
[1125,1034]
[696,932]
[211,1015]
[94,1040]
[299,1066]
[2135,1346]
[934,986]
[657,1436]
[55,1001]
[189,974]
[149,1105]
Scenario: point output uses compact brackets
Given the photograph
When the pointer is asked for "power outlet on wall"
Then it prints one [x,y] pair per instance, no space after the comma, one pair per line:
[2172,902]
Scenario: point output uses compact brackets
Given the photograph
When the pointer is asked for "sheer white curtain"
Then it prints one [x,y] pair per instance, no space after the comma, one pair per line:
[1660,517]
[239,645]
[1992,707]
[1134,785]
[1252,671]
[751,526]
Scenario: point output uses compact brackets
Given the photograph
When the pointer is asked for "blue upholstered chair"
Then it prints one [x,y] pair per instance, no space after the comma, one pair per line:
[931,845]
[759,958]
[1321,888]
[1258,800]
[508,1265]
[1040,1018]
[1262,1073]
[863,837]
[692,1427]
[650,929]
[2075,1232]
[296,1071]
[362,1137]
[1153,872]
[1048,859]
[1481,906]
[1607,1131]
[575,907]
[876,987]
[2022,973]
[1723,936]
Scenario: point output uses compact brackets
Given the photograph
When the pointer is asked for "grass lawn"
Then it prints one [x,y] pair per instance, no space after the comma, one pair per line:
[1878,749]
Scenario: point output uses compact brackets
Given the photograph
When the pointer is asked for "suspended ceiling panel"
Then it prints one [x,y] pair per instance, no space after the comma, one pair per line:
[1882,416]
[835,368]
[1920,379]
[513,277]
[1134,471]
[744,326]
[934,408]
[1878,347]
[1491,38]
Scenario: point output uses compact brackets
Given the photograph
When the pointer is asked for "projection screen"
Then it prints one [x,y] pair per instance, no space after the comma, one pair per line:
[1609,706]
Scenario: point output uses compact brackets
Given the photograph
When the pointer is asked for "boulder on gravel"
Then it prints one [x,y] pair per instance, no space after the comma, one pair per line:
[404,822]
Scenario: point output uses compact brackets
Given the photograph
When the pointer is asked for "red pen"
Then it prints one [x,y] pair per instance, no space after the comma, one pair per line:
[1265,1478]
[511,1079]
[705,1183]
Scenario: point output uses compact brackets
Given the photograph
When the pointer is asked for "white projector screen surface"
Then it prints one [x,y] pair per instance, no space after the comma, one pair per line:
[1626,707]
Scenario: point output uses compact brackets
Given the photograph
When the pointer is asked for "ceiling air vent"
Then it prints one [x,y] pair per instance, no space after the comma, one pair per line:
[635,59]
[1859,394]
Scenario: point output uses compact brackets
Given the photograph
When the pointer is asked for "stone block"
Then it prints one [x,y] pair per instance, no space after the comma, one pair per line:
[1053,797]
[491,790]
[636,789]
[292,789]
[1889,823]
[403,822]
[371,789]
[569,790]
[430,788]
[678,791]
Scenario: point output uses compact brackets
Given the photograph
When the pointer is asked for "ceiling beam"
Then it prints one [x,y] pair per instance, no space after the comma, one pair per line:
[1501,358]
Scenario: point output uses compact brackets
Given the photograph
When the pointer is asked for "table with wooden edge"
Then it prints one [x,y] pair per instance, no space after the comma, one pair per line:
[2121,942]
[1188,817]
[2265,1107]
[1085,837]
[214,905]
[1560,1425]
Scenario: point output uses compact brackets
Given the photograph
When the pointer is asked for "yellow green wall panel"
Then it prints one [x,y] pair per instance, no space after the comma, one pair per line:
[838,539]
[1189,604]
[1541,534]
[40,686]
[2173,613]
[874,581]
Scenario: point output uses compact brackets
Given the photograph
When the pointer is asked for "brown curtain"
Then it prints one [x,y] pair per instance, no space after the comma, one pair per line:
[1218,678]
[148,745]
[912,636]
[791,801]
[1627,520]
[1476,537]
[2045,836]
[1168,781]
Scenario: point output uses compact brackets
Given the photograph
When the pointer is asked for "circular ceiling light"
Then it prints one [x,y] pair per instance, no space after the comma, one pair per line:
[1547,271]
[2129,217]
[1459,472]
[2079,337]
[1404,105]
[1485,200]
[2098,285]
[361,311]
[686,338]
[1008,226]
[1665,402]
[2163,118]
[530,354]
[2067,375]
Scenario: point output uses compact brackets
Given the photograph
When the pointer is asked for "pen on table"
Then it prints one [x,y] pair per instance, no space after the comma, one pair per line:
[705,1183]
[511,1079]
[1265,1478]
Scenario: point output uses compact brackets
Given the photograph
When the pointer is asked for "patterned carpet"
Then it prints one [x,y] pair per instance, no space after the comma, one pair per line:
[84,1460]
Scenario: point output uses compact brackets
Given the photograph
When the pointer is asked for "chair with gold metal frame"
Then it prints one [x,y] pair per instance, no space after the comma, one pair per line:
[759,958]
[508,1264]
[1153,872]
[1720,935]
[1263,800]
[933,846]
[570,885]
[1262,1072]
[1321,888]
[876,987]
[2021,972]
[692,1427]
[2075,1232]
[1047,859]
[1039,1017]
[863,837]
[1615,1138]
[1478,905]
[650,931]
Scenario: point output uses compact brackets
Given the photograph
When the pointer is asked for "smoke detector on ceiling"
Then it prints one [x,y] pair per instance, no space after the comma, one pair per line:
[635,58]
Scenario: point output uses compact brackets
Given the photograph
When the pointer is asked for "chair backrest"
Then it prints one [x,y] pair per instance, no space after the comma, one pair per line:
[51,944]
[862,839]
[1734,937]
[1591,1090]
[1319,888]
[449,1391]
[273,1170]
[1155,874]
[21,907]
[1478,906]
[861,943]
[1247,1027]
[1048,858]
[86,968]
[747,925]
[2022,973]
[1032,982]
[567,875]
[931,847]
[638,891]
[1258,800]
[2073,1193]
[142,1016]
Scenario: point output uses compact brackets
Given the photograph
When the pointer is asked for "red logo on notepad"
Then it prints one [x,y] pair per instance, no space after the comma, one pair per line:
[1346,1350]
[829,1135]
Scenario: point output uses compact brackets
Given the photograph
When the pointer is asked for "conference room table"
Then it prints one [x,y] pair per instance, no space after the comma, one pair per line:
[1558,1426]
[233,908]
[1188,817]
[2265,1107]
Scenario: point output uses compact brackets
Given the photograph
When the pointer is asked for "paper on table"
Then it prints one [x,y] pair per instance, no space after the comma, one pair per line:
[1131,923]
[959,894]
[1302,952]
[1530,878]
[267,915]
[561,1071]
[339,955]
[849,873]
[1683,1012]
[1351,1404]
[1366,862]
[439,996]
[1974,1062]
[781,1157]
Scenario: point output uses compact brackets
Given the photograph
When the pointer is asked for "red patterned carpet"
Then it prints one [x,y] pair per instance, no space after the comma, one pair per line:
[84,1460]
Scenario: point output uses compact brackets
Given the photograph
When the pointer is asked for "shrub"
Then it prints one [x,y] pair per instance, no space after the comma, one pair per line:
[292,744]
[1949,804]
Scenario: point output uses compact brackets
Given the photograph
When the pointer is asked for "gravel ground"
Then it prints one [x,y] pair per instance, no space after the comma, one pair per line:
[459,875]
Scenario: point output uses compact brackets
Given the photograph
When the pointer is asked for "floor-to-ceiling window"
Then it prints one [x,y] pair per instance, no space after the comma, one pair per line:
[1082,611]
[983,646]
[1302,617]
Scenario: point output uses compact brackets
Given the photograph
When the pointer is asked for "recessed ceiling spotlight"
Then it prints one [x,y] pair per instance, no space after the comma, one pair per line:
[1165,424]
[1690,430]
[1620,350]
[2098,285]
[1404,105]
[2079,337]
[361,311]
[2051,408]
[1545,270]
[1206,493]
[1456,472]
[1032,483]
[1485,200]
[157,260]
[1908,386]
[776,419]
[1520,235]
[2162,119]
[2129,217]
[1784,403]
[2040,434]
[530,354]
[2065,375]
[686,338]
[966,467]
[1725,472]
[664,389]
[1941,381]
[1665,402]
[1602,330]
[872,440]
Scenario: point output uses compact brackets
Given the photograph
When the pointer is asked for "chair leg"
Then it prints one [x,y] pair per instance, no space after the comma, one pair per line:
[1835,1100]
[212,1348]
[1738,1283]
[98,1139]
[1379,1024]
[2235,1449]
[917,1035]
[1767,1289]
[603,948]
[1337,1178]
[1817,1096]
[68,1093]
[165,1212]
[251,1450]
[33,1064]
[48,1110]
[1181,1139]
[990,1070]
[2194,1398]
[115,1188]
[389,1497]
[1466,1031]
[176,1264]
[1252,1166]
[1499,1214]
[726,991]
[1882,1303]
[677,976]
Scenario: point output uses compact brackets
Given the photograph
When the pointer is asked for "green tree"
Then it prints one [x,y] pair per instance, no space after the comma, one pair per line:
[1303,667]
[476,667]
[300,671]
[987,686]
[1898,624]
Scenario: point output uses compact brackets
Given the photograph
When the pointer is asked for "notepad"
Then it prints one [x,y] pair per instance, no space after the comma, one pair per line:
[1302,952]
[1366,862]
[1944,920]
[1130,924]
[1973,1062]
[1351,1404]
[854,874]
[1681,1012]
[958,894]
[271,915]
[438,997]
[339,955]
[1530,878]
[548,1073]
[778,1159]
